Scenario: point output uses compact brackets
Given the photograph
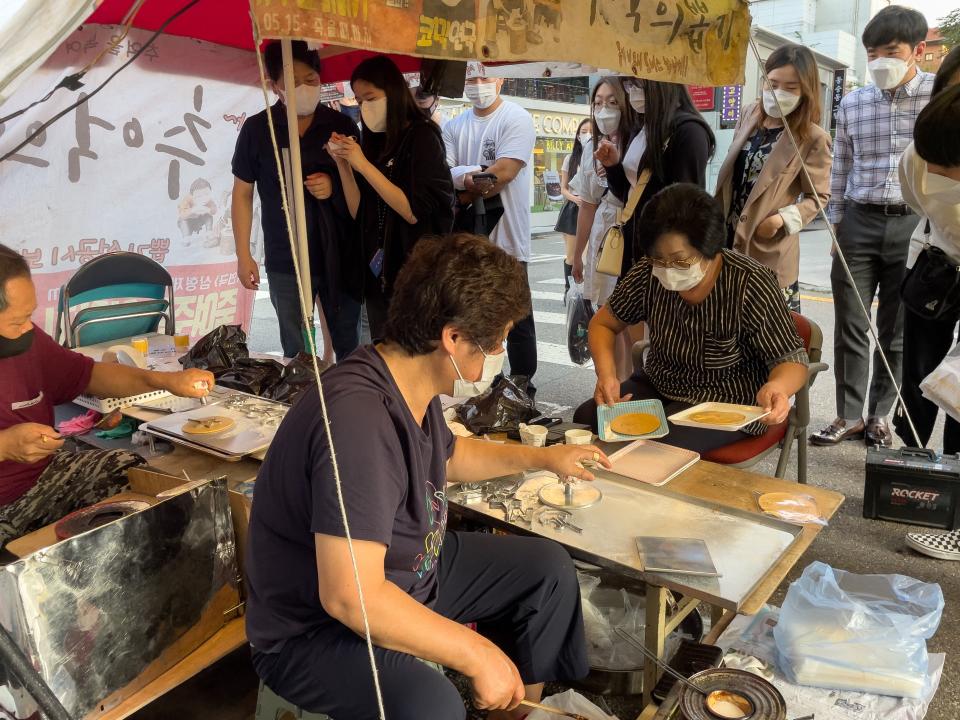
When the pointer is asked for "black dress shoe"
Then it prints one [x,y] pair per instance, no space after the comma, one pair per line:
[837,432]
[878,433]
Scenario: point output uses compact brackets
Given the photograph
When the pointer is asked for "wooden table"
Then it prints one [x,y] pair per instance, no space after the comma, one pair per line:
[729,487]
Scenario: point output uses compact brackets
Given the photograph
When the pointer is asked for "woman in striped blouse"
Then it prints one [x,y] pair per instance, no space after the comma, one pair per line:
[719,327]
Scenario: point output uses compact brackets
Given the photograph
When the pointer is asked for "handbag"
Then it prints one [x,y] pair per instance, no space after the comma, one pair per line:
[931,288]
[610,255]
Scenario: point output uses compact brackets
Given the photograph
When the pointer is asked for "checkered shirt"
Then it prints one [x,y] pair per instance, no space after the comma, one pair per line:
[874,127]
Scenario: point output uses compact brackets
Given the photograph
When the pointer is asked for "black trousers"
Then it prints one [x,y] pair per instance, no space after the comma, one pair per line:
[521,592]
[925,344]
[696,439]
[522,348]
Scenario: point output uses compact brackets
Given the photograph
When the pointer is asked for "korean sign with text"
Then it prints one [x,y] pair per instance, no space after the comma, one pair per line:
[143,166]
[688,41]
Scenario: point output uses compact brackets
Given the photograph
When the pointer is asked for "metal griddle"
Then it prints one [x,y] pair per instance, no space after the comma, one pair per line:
[745,546]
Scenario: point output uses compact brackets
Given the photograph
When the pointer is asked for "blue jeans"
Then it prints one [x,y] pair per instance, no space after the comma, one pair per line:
[343,323]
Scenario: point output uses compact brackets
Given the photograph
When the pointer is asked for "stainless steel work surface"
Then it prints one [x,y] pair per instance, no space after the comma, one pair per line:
[744,546]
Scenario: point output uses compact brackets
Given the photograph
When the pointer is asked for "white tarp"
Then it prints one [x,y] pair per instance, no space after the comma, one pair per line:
[142,166]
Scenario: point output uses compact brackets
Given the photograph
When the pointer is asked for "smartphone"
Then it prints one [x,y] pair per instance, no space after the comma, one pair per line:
[484,176]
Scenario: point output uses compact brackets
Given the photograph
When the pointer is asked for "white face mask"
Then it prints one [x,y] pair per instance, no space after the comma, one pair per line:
[942,189]
[607,120]
[638,100]
[482,95]
[307,97]
[492,366]
[888,72]
[788,101]
[677,279]
[585,138]
[374,114]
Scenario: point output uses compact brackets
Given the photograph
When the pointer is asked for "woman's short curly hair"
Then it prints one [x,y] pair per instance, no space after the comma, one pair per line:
[462,280]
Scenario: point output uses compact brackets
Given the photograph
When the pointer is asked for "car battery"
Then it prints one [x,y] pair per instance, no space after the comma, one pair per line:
[914,486]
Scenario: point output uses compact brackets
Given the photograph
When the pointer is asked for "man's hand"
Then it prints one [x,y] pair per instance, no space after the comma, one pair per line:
[496,683]
[481,186]
[772,399]
[28,442]
[566,460]
[188,383]
[248,272]
[319,185]
[577,271]
[607,154]
[769,227]
[608,392]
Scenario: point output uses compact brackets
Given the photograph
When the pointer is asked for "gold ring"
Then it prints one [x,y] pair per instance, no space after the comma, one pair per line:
[43,438]
[596,457]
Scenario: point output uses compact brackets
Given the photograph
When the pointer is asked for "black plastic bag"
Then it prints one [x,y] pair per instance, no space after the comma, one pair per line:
[500,409]
[218,350]
[252,376]
[579,314]
[296,379]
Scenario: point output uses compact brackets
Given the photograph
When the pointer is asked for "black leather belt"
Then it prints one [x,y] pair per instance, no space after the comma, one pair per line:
[888,210]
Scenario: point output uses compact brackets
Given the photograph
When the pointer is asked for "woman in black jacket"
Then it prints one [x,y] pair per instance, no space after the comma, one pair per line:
[396,181]
[675,143]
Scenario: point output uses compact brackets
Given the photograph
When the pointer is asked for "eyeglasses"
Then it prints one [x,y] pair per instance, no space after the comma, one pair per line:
[679,264]
[598,105]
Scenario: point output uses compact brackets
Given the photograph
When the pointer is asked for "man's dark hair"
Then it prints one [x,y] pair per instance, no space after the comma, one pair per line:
[949,69]
[461,280]
[12,265]
[273,58]
[685,209]
[935,135]
[895,24]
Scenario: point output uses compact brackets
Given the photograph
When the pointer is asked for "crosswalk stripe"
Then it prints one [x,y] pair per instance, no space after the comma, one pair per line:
[549,318]
[557,354]
[545,258]
[546,295]
[552,281]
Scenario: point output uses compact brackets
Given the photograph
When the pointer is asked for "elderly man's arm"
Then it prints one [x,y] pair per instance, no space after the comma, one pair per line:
[110,380]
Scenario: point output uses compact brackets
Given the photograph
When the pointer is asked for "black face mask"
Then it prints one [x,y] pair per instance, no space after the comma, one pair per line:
[11,348]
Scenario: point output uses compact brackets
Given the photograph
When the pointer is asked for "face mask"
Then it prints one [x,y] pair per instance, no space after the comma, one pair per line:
[638,100]
[374,114]
[887,72]
[677,279]
[307,97]
[607,120]
[482,95]
[585,138]
[788,101]
[942,189]
[492,366]
[11,348]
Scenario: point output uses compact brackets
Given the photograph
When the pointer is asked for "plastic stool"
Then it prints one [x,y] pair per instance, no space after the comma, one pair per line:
[271,706]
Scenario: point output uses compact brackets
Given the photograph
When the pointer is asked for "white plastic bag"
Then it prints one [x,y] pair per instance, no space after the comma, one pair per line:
[858,632]
[579,313]
[572,702]
[942,386]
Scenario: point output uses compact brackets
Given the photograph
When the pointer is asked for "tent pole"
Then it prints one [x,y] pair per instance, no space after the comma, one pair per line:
[296,174]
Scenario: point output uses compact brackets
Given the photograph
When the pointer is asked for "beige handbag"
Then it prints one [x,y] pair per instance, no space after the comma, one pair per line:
[610,256]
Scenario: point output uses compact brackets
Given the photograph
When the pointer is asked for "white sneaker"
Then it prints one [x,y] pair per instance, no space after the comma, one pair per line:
[943,546]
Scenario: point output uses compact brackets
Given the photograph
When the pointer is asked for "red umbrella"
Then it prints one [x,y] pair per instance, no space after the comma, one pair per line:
[225,22]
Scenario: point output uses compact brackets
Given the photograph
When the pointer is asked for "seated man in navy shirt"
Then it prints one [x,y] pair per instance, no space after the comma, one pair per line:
[330,230]
[456,299]
[40,482]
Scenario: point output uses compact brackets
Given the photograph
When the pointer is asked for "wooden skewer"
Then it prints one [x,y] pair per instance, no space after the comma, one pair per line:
[547,708]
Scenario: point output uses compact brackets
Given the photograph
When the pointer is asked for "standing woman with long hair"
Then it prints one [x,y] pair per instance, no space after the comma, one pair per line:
[567,222]
[396,180]
[615,124]
[761,179]
[674,146]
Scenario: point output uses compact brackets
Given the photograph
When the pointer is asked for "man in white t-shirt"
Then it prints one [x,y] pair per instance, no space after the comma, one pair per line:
[497,137]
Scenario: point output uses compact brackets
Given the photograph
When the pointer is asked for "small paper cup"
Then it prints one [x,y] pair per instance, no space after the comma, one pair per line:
[577,436]
[533,435]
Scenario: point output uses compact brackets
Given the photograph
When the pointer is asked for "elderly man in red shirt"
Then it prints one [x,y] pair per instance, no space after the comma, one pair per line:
[39,482]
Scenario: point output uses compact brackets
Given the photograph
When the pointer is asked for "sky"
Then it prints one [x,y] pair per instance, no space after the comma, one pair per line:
[932,9]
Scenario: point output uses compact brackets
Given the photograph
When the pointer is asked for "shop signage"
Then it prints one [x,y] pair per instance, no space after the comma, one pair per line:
[731,96]
[704,98]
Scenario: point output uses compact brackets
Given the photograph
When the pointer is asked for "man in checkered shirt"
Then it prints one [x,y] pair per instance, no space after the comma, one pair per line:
[872,222]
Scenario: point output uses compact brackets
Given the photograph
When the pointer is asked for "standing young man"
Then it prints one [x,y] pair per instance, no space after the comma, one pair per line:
[329,226]
[498,137]
[872,222]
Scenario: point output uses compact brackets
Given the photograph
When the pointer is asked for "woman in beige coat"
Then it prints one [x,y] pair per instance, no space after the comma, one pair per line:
[761,187]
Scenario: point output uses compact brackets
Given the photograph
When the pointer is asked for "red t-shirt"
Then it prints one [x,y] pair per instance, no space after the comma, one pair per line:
[31,385]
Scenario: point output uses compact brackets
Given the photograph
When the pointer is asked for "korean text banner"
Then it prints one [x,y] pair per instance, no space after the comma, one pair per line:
[143,166]
[683,41]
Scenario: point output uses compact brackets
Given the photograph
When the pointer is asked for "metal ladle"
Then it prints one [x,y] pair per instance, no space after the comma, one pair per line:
[713,697]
